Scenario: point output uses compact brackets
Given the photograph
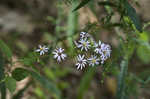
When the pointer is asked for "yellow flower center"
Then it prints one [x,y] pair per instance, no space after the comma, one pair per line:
[93,61]
[84,44]
[41,48]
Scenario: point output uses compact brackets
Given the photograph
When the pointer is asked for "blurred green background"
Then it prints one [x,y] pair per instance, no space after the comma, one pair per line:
[24,24]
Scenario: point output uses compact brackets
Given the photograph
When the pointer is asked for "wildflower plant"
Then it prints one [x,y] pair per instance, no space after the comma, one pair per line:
[87,45]
[89,52]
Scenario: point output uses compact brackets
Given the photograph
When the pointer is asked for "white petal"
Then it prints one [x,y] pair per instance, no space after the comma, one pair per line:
[38,50]
[78,67]
[58,58]
[39,46]
[42,53]
[55,56]
[54,52]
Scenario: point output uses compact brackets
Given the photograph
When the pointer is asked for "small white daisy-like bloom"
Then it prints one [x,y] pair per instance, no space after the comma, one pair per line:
[59,55]
[106,51]
[98,49]
[84,44]
[93,60]
[42,49]
[84,35]
[81,61]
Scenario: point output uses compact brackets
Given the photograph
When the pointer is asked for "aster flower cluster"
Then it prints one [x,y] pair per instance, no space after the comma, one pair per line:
[104,50]
[100,51]
[91,53]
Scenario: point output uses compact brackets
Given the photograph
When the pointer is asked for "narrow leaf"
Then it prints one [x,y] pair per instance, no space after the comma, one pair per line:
[131,12]
[121,79]
[72,25]
[46,83]
[5,49]
[3,90]
[2,76]
[106,3]
[83,3]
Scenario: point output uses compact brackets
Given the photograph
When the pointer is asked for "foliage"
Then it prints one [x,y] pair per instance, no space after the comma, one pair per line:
[52,79]
[10,84]
[19,74]
[85,82]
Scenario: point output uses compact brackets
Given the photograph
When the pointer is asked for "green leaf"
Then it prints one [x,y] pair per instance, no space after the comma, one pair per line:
[143,52]
[2,76]
[143,78]
[107,3]
[144,36]
[29,59]
[72,26]
[50,73]
[46,83]
[10,84]
[3,90]
[85,82]
[83,3]
[19,74]
[39,93]
[121,79]
[5,49]
[144,74]
[131,12]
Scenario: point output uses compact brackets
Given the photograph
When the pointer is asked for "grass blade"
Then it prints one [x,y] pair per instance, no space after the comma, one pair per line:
[83,3]
[5,49]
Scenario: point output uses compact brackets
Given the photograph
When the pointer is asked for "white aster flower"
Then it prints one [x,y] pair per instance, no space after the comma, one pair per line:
[93,60]
[106,51]
[59,55]
[42,49]
[84,44]
[98,49]
[81,62]
[84,35]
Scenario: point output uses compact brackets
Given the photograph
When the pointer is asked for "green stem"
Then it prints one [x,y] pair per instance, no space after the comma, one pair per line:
[2,76]
[72,24]
[59,19]
[121,78]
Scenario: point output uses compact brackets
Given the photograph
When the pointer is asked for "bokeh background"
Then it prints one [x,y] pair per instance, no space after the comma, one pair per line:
[24,24]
